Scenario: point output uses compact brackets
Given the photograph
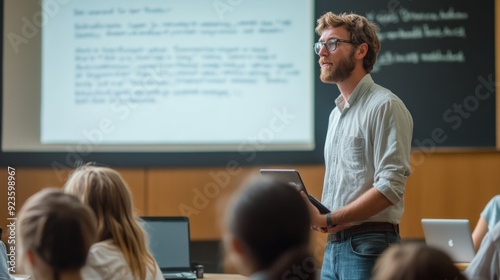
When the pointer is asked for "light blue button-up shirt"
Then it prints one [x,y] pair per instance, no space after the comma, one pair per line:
[491,213]
[484,265]
[4,269]
[368,144]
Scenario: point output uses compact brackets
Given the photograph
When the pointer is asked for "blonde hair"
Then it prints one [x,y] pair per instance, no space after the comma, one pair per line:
[104,190]
[58,228]
[360,29]
[414,262]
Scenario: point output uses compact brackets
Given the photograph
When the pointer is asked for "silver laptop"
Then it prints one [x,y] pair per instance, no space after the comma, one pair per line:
[169,243]
[453,236]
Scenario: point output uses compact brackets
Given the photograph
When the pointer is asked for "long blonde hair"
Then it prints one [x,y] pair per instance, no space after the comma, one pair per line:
[58,228]
[104,190]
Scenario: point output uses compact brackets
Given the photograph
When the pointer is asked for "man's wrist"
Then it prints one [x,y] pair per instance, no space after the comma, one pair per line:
[329,222]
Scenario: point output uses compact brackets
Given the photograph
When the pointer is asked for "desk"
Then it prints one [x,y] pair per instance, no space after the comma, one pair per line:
[21,276]
[216,276]
[210,276]
[461,266]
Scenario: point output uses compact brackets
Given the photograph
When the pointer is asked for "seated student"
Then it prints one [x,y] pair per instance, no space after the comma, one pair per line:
[487,221]
[486,263]
[415,262]
[121,251]
[266,232]
[55,233]
[4,267]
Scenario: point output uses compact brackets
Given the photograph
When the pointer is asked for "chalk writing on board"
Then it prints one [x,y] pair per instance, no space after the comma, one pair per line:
[407,25]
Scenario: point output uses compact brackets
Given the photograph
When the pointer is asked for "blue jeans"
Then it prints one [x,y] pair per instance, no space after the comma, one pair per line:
[354,257]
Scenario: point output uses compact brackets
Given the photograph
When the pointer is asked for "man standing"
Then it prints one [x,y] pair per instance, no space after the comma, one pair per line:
[367,151]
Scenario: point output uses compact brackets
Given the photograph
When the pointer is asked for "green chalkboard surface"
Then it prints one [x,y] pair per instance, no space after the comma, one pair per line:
[438,57]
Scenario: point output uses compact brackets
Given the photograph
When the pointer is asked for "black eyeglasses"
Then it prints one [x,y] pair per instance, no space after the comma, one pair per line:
[330,44]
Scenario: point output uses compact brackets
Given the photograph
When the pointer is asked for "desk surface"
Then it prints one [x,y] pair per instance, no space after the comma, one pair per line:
[21,276]
[214,276]
[461,266]
[210,276]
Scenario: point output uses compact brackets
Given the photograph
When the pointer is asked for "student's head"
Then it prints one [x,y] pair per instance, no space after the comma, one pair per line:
[107,194]
[414,262]
[55,233]
[359,30]
[267,222]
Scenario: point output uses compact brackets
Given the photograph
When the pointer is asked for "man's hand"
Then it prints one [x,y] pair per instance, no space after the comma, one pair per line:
[337,228]
[320,229]
[318,221]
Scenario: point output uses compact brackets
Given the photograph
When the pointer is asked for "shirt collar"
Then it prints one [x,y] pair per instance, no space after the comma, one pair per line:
[359,90]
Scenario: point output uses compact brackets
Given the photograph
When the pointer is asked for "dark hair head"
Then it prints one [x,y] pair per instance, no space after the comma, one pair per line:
[58,228]
[414,262]
[360,29]
[270,218]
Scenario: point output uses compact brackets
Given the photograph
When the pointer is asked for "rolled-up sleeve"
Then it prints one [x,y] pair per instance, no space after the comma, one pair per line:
[393,131]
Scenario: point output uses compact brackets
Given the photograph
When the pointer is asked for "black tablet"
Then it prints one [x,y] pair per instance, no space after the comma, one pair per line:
[292,177]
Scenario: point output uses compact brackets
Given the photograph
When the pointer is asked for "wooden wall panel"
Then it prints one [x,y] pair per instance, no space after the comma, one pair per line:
[31,180]
[497,67]
[202,193]
[450,185]
[443,185]
[194,193]
[28,182]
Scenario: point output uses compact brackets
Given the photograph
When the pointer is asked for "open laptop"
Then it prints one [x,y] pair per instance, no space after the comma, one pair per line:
[453,236]
[169,243]
[292,177]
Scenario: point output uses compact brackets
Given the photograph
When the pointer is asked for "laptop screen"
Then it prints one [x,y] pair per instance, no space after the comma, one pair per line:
[169,241]
[452,236]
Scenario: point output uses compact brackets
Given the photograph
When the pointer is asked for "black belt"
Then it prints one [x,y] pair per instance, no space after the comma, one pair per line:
[363,228]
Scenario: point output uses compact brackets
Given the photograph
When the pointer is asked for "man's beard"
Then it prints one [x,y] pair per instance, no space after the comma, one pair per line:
[340,71]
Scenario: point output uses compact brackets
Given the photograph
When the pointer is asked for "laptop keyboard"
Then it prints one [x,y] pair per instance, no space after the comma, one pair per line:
[183,275]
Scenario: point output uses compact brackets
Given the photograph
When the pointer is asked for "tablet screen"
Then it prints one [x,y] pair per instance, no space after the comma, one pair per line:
[290,176]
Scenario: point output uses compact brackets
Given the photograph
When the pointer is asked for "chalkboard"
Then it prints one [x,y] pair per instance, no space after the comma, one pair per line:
[438,57]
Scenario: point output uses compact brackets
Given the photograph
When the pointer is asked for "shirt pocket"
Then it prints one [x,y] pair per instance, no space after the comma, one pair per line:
[353,154]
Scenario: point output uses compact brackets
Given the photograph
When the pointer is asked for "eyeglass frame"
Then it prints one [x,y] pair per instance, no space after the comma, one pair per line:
[335,40]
